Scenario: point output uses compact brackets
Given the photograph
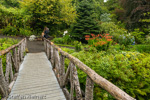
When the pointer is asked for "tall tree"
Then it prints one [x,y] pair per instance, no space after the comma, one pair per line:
[135,11]
[86,21]
[51,13]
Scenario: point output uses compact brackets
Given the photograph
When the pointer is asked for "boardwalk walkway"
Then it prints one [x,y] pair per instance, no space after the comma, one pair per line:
[36,80]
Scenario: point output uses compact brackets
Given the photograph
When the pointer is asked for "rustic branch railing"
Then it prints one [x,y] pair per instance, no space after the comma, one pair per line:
[57,58]
[14,56]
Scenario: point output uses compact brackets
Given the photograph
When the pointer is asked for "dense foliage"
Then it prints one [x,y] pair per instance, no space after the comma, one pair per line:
[30,16]
[121,56]
[130,71]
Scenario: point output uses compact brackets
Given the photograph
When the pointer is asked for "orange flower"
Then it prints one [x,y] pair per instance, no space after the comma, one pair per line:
[93,35]
[88,36]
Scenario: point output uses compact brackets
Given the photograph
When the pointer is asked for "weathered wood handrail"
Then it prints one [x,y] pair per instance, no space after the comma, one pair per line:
[57,61]
[14,56]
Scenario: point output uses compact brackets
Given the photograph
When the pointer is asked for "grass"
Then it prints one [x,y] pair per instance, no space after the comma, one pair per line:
[64,45]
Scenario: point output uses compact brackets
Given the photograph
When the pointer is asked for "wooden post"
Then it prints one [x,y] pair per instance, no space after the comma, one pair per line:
[89,89]
[25,43]
[57,62]
[3,83]
[77,83]
[67,95]
[18,58]
[62,70]
[47,50]
[21,51]
[52,56]
[10,68]
[45,46]
[7,67]
[15,59]
[71,82]
[66,75]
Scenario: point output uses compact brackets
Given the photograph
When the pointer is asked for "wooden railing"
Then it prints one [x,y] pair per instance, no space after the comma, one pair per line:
[14,56]
[57,58]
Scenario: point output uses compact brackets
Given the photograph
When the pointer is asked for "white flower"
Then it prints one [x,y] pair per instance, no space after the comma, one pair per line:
[65,32]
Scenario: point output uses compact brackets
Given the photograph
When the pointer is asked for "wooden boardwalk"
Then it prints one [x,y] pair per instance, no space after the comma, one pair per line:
[36,80]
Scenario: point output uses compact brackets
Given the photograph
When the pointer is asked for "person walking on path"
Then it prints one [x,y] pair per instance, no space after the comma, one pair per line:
[45,33]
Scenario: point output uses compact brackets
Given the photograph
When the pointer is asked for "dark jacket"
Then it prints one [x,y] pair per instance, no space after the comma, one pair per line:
[46,32]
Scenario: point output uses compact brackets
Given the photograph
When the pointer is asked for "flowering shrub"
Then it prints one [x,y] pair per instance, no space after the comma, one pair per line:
[126,39]
[100,41]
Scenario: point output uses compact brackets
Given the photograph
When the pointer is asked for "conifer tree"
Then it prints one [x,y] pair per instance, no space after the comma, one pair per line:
[86,22]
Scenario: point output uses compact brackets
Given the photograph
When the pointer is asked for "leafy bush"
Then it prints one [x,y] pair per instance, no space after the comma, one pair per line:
[10,30]
[126,40]
[142,48]
[78,46]
[130,71]
[25,32]
[138,36]
[147,39]
[112,29]
[67,39]
[58,40]
[70,51]
[63,40]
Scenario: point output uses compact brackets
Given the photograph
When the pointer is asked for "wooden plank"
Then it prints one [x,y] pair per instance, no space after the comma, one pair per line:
[89,89]
[77,83]
[36,77]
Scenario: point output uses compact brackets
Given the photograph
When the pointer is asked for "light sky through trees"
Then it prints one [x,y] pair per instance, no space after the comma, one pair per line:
[105,0]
